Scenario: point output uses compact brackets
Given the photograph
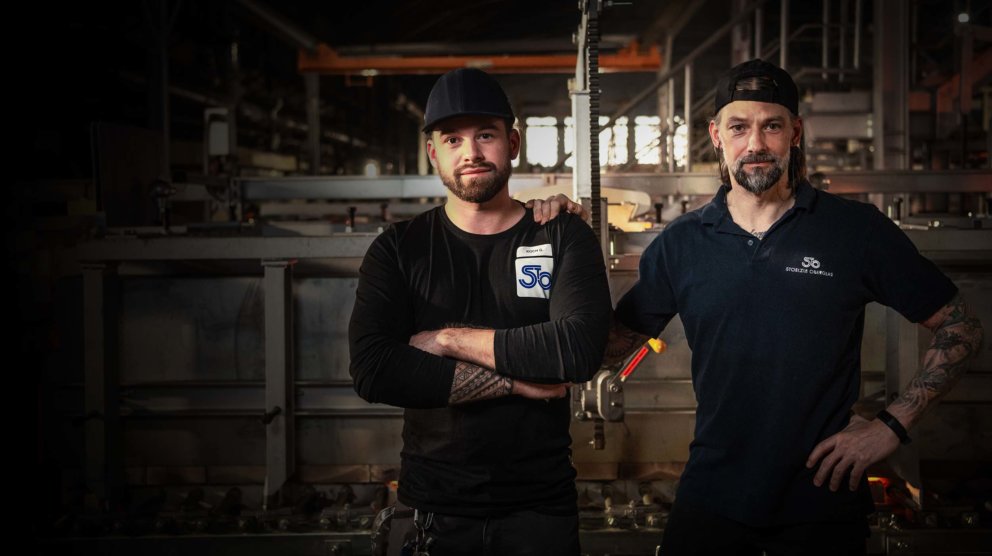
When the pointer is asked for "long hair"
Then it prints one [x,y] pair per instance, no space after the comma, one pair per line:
[797,155]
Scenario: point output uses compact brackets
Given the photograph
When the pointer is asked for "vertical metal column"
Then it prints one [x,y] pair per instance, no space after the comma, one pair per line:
[759,28]
[523,163]
[280,446]
[579,92]
[783,35]
[104,460]
[671,124]
[825,38]
[312,83]
[688,117]
[666,111]
[740,35]
[890,124]
[856,55]
[842,39]
[234,98]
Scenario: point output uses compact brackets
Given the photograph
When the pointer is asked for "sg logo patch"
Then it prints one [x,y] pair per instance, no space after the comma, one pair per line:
[534,266]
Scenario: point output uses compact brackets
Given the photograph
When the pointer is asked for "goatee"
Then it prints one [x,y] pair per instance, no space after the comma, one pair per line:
[479,188]
[759,179]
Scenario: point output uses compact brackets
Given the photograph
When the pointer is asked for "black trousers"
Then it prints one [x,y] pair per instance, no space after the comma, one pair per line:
[693,532]
[522,533]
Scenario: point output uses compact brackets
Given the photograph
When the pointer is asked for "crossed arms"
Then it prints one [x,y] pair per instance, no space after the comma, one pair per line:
[395,363]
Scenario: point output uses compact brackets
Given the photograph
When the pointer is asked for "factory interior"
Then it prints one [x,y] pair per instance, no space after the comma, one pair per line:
[199,181]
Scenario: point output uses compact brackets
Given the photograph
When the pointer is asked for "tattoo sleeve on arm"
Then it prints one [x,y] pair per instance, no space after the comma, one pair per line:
[473,383]
[621,343]
[957,337]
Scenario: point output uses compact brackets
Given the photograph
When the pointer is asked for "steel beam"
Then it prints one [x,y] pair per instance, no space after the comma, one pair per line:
[418,187]
[312,84]
[891,85]
[279,411]
[326,60]
[103,464]
[224,248]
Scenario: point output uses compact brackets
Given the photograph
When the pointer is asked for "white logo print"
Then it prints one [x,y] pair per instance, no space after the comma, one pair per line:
[534,266]
[809,265]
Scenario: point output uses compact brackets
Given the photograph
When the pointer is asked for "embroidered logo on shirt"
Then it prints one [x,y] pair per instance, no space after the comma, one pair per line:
[809,265]
[810,262]
[534,266]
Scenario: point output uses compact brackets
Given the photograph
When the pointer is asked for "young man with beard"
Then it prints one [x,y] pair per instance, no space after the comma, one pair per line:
[771,279]
[476,318]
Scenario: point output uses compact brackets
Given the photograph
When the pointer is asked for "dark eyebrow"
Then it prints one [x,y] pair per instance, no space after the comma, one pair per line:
[448,131]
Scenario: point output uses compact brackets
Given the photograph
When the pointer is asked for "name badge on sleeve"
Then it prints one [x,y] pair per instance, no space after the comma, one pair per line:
[534,266]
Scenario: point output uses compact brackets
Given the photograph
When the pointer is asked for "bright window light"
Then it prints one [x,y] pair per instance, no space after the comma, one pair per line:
[647,137]
[542,141]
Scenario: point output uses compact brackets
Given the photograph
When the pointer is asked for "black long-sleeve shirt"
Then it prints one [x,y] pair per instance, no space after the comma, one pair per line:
[543,289]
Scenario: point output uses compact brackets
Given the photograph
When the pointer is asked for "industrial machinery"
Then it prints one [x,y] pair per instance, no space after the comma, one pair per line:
[201,398]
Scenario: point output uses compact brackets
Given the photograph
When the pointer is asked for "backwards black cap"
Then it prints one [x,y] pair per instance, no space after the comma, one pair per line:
[782,89]
[465,91]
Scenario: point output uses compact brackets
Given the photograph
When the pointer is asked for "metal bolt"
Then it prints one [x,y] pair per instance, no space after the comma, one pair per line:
[614,388]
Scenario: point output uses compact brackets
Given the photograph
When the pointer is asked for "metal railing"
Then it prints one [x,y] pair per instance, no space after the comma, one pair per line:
[694,108]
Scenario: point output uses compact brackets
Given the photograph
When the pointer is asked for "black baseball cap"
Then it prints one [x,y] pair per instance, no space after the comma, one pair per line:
[783,92]
[465,91]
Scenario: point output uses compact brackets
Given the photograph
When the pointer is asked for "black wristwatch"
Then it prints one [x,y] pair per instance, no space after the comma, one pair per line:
[895,425]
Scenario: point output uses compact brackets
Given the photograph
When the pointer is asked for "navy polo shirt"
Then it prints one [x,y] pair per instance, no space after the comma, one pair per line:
[775,330]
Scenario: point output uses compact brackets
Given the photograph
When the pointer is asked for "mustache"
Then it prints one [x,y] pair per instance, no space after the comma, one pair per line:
[479,166]
[756,157]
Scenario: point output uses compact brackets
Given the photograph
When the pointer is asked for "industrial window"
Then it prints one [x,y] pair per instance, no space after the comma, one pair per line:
[610,154]
[647,139]
[542,141]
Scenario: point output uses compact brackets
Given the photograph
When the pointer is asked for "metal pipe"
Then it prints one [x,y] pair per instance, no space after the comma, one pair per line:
[670,132]
[758,28]
[842,38]
[312,83]
[288,31]
[857,34]
[783,35]
[163,52]
[688,117]
[825,38]
[669,108]
[696,52]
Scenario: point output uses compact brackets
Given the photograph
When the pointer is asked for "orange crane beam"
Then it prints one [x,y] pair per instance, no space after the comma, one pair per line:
[326,60]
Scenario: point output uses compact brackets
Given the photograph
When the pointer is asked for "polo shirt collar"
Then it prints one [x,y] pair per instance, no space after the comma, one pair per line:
[717,208]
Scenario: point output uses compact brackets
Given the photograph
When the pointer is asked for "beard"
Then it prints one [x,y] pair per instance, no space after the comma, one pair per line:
[478,188]
[760,180]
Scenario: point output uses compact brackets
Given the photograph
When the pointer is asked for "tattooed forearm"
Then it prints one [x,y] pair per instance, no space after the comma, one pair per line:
[621,343]
[473,383]
[957,337]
